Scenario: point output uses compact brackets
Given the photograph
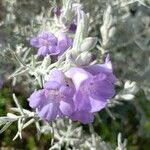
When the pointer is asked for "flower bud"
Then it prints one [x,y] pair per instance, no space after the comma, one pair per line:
[84,58]
[88,44]
[57,11]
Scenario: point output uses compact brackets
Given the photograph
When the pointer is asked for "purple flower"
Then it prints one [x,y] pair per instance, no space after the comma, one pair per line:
[48,44]
[57,11]
[73,27]
[56,99]
[77,94]
[83,116]
[64,42]
[94,86]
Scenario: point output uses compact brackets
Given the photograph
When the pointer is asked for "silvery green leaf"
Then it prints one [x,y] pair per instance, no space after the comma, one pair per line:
[85,25]
[16,136]
[32,120]
[33,62]
[5,127]
[77,39]
[46,62]
[88,44]
[25,111]
[20,125]
[131,87]
[81,33]
[5,56]
[19,73]
[108,28]
[13,116]
[121,145]
[39,79]
[38,128]
[67,13]
[4,120]
[114,102]
[104,146]
[127,96]
[18,58]
[26,54]
[143,30]
[24,126]
[145,3]
[18,104]
[110,113]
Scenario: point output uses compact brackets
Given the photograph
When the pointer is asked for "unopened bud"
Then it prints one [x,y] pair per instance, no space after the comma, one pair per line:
[84,59]
[88,44]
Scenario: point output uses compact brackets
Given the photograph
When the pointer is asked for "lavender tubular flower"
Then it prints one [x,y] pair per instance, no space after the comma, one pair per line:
[64,42]
[86,92]
[94,86]
[48,44]
[56,99]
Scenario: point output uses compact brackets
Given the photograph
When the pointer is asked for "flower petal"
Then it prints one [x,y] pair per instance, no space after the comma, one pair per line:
[43,51]
[81,101]
[67,108]
[35,42]
[101,68]
[48,36]
[36,99]
[82,116]
[101,89]
[67,91]
[78,75]
[51,85]
[96,105]
[57,76]
[49,112]
[64,42]
[53,50]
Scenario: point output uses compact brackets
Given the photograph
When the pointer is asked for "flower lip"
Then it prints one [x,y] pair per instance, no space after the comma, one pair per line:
[53,96]
[55,99]
[48,44]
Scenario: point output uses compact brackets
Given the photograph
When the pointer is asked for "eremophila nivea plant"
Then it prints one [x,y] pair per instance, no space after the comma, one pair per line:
[74,63]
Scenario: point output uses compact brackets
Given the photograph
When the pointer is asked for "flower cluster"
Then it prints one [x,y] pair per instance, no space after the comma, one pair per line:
[55,99]
[48,44]
[77,93]
[76,88]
